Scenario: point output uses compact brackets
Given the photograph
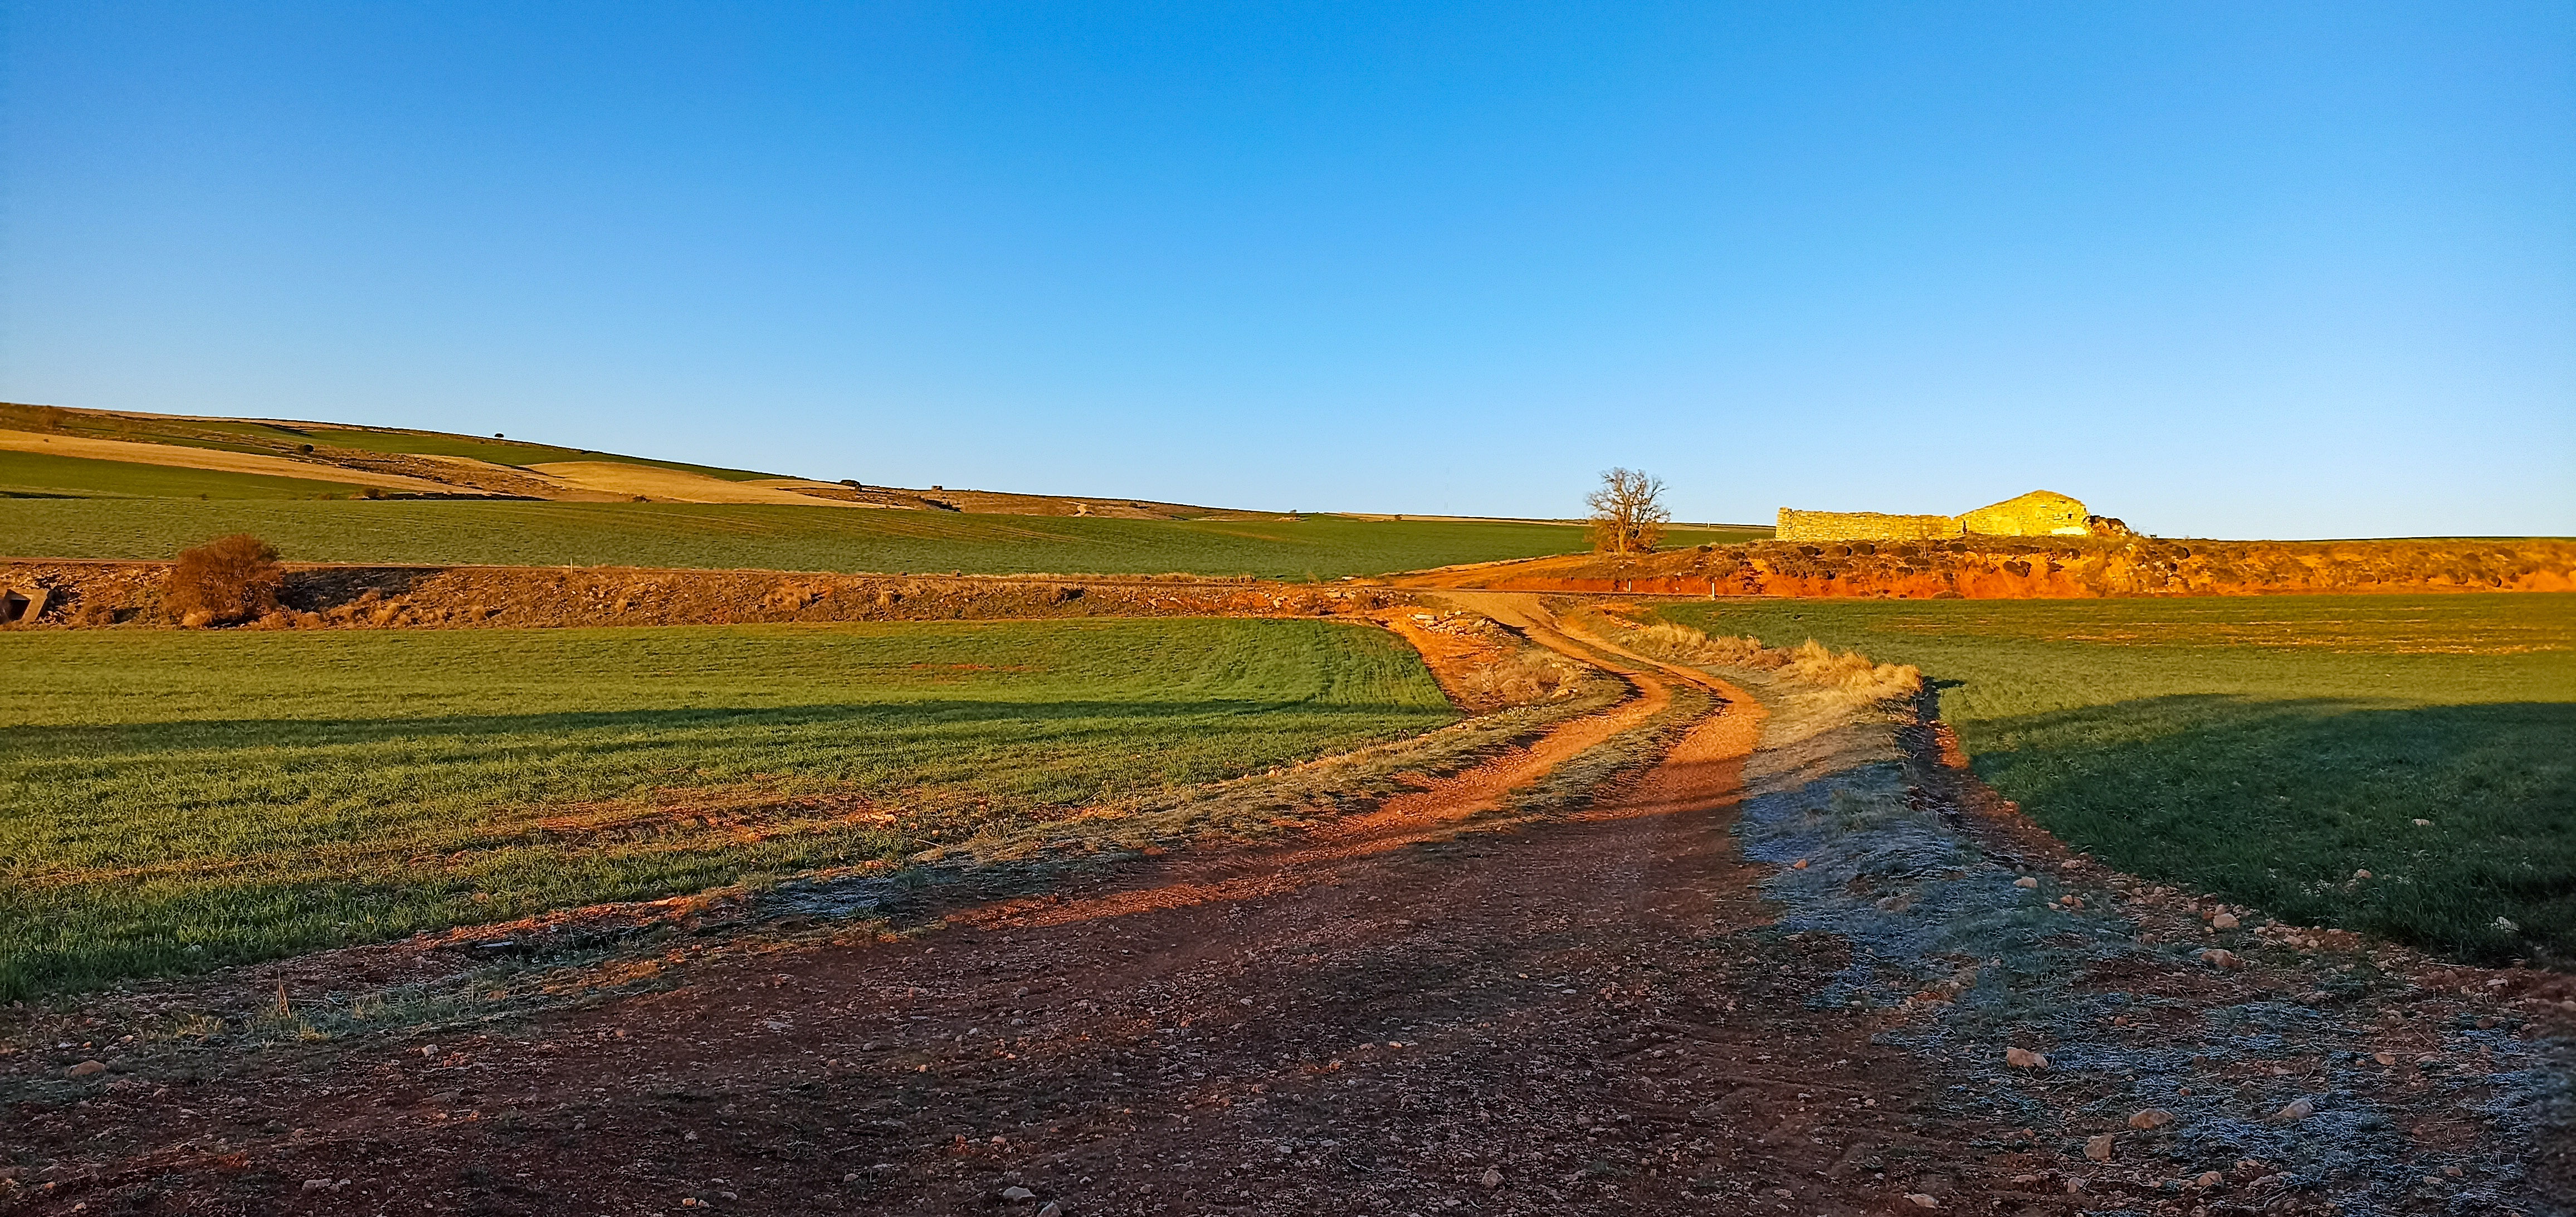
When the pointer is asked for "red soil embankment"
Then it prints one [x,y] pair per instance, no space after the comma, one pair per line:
[325,597]
[2038,568]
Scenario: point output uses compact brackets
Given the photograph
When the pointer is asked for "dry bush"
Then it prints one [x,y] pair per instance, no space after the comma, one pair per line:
[1814,663]
[228,579]
[1527,678]
[1665,640]
[1810,662]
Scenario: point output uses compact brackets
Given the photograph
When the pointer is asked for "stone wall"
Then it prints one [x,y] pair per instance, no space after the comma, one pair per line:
[1795,525]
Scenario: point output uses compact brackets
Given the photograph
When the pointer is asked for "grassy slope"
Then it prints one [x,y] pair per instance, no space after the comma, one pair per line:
[243,435]
[779,538]
[249,795]
[2267,748]
[41,475]
[498,451]
[224,435]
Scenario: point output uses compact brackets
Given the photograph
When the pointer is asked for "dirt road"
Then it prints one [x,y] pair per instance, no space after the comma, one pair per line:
[1436,1007]
[1395,1016]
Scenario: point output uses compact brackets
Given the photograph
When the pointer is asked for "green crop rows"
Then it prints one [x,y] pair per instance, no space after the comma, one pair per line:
[178,800]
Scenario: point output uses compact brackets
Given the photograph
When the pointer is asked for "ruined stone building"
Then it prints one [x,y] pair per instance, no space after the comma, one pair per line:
[2041,513]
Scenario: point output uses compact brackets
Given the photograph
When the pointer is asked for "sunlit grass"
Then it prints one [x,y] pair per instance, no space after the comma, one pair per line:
[181,799]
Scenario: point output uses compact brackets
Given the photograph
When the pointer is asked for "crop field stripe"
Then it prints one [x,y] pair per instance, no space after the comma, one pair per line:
[2268,748]
[173,800]
[44,475]
[736,537]
[497,451]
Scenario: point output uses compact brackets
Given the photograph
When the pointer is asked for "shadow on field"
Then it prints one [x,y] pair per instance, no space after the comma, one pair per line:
[315,589]
[1980,941]
[2277,803]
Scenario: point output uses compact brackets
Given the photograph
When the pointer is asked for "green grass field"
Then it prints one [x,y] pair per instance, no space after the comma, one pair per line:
[2266,748]
[38,475]
[180,800]
[774,538]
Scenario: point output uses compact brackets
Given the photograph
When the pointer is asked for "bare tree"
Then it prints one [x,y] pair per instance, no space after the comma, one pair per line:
[1628,513]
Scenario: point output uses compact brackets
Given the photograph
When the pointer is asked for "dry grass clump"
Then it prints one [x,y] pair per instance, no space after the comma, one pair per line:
[1810,662]
[1525,679]
[228,579]
[1814,663]
[1665,640]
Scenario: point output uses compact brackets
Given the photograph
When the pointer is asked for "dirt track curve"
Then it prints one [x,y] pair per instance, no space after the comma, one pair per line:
[1434,1007]
[1396,1016]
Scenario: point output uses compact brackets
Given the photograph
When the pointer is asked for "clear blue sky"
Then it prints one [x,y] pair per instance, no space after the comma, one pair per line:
[2221,269]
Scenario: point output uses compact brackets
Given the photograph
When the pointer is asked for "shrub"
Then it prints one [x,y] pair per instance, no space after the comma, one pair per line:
[228,579]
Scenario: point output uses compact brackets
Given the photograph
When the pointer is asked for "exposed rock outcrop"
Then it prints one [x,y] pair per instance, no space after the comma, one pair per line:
[2041,567]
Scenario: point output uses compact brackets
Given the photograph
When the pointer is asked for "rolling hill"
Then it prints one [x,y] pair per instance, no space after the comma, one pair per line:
[94,484]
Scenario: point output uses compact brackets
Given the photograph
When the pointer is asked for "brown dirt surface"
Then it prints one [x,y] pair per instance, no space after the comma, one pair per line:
[1988,568]
[1448,1002]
